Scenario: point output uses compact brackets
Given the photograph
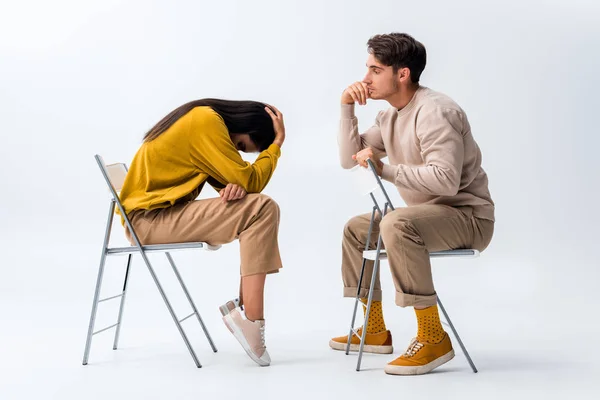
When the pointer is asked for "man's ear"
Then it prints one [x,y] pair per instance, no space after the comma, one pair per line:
[404,75]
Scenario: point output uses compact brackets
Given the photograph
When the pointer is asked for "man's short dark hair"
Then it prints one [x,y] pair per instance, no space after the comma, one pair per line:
[399,50]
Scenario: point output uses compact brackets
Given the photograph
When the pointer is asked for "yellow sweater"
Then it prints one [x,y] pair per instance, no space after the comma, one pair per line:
[195,149]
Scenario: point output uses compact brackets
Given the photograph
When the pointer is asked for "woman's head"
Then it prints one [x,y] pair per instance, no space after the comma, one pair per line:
[250,126]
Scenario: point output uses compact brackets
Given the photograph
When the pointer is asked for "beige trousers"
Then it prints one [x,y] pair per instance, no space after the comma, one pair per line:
[408,235]
[254,220]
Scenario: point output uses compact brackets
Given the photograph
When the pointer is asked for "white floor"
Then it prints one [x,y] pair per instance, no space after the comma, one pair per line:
[527,340]
[528,315]
[154,364]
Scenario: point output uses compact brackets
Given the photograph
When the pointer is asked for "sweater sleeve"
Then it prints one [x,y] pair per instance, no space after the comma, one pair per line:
[441,141]
[213,152]
[351,142]
[218,186]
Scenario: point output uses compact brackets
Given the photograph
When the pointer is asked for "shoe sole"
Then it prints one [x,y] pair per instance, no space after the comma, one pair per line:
[367,348]
[419,370]
[239,335]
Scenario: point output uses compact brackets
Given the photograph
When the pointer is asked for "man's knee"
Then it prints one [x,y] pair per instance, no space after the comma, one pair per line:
[395,223]
[354,227]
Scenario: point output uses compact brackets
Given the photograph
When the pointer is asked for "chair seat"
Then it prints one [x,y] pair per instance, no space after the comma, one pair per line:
[153,248]
[464,253]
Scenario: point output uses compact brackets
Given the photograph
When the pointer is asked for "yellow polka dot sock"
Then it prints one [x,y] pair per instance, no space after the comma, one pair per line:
[376,323]
[430,328]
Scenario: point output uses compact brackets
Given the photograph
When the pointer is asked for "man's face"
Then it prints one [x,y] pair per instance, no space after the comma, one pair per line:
[381,80]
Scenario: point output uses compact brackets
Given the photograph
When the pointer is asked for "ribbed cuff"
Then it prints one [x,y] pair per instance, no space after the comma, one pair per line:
[389,172]
[347,111]
[275,150]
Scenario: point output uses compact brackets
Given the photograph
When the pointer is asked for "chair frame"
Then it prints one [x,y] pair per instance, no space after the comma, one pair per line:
[114,175]
[380,254]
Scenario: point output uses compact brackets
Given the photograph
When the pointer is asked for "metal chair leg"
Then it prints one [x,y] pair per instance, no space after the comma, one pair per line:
[462,346]
[187,294]
[369,301]
[122,306]
[170,308]
[360,279]
[356,300]
[88,341]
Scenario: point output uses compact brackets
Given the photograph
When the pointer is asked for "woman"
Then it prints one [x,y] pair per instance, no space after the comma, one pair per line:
[200,142]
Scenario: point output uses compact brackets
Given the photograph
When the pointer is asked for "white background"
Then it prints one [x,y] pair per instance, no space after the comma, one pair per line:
[79,78]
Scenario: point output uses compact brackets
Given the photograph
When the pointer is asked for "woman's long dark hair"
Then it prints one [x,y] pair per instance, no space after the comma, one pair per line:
[247,117]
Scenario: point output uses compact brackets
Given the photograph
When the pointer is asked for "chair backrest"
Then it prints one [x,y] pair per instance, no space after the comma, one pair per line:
[116,175]
[368,182]
[364,179]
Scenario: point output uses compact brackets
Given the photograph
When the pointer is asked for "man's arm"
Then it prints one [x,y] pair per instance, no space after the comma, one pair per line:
[350,141]
[440,135]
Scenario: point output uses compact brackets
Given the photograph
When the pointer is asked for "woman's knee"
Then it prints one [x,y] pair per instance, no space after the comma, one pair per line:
[268,207]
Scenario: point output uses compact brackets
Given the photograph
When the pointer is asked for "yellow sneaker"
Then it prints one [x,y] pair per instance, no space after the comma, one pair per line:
[378,343]
[421,357]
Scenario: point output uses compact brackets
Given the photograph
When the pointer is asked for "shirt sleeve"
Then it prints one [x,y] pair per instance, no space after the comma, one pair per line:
[351,142]
[212,151]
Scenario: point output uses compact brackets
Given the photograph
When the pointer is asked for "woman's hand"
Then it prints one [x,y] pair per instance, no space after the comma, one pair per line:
[232,192]
[278,125]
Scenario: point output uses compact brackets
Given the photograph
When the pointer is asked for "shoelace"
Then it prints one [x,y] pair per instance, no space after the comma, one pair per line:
[413,348]
[262,336]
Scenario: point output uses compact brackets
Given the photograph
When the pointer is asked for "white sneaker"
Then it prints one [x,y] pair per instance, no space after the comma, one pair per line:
[229,306]
[250,334]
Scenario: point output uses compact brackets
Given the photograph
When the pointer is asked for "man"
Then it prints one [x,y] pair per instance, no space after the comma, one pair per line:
[435,163]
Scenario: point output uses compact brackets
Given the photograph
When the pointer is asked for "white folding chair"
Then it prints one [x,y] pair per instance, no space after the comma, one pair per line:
[114,175]
[369,182]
